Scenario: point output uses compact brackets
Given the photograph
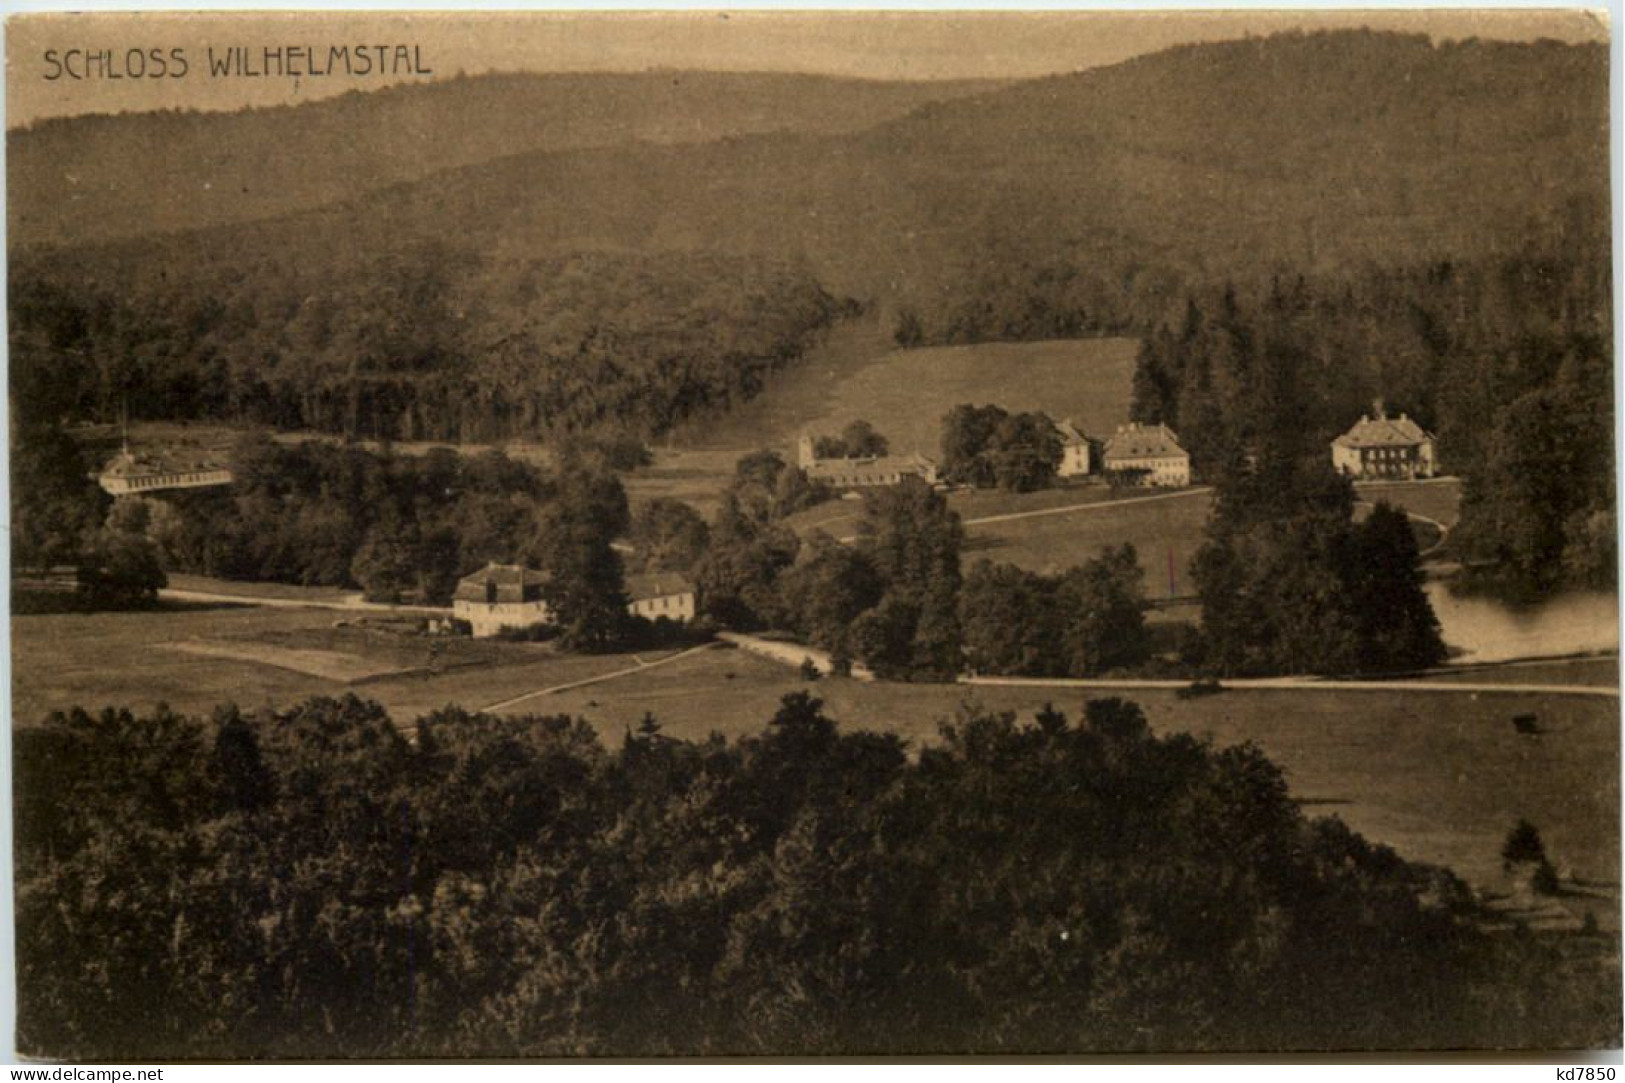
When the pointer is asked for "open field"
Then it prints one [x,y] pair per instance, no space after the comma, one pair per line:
[1439,781]
[1440,778]
[1155,528]
[905,393]
[276,591]
[103,659]
[1439,500]
[857,372]
[1052,543]
[1599,672]
[193,657]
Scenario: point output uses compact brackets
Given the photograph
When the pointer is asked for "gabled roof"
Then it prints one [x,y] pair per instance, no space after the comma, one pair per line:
[1381,431]
[882,467]
[151,464]
[1071,435]
[656,585]
[1135,441]
[514,582]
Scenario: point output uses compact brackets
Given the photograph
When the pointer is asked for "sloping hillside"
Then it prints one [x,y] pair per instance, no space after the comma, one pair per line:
[1322,149]
[1055,208]
[72,181]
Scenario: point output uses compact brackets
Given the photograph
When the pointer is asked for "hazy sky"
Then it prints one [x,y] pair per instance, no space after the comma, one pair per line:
[907,45]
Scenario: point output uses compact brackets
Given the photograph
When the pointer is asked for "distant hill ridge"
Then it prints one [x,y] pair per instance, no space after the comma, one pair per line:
[71,180]
[1326,149]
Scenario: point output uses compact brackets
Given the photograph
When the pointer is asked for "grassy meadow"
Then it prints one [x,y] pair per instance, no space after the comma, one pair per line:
[1439,782]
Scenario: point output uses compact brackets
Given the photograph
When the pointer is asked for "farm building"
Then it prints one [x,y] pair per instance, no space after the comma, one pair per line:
[501,596]
[1148,455]
[661,595]
[1077,451]
[127,474]
[1384,447]
[862,473]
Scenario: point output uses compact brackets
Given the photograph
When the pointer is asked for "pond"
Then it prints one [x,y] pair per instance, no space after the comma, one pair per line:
[1484,629]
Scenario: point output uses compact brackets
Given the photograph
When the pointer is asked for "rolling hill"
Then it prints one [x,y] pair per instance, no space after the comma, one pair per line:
[96,178]
[1324,149]
[1111,189]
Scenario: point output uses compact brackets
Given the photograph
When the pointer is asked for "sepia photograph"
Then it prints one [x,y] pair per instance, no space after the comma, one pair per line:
[871,534]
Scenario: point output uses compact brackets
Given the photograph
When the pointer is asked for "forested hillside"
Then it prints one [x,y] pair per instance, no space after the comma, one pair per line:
[433,341]
[1074,204]
[1506,360]
[72,181]
[1329,150]
[577,287]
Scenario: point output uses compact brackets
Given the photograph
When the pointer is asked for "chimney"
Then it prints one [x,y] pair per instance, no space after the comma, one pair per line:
[1376,408]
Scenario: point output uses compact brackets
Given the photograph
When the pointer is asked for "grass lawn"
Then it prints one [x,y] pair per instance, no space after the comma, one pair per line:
[980,503]
[696,476]
[281,591]
[1053,543]
[194,657]
[859,373]
[1595,672]
[120,659]
[1437,500]
[905,393]
[1441,780]
[1155,529]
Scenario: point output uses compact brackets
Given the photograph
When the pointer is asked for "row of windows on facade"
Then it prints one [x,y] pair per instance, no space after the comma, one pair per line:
[668,602]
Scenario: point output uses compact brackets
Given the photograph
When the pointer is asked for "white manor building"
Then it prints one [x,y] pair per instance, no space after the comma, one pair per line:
[502,596]
[1382,447]
[128,475]
[661,594]
[1148,454]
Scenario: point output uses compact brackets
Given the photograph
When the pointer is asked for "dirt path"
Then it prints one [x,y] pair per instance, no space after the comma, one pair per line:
[1308,684]
[348,604]
[599,679]
[791,653]
[1066,509]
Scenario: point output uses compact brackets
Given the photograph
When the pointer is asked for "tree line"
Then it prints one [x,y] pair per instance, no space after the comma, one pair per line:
[320,881]
[1508,361]
[400,528]
[432,341]
[1290,582]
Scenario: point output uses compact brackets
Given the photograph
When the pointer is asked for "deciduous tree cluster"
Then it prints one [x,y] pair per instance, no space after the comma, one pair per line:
[987,446]
[315,882]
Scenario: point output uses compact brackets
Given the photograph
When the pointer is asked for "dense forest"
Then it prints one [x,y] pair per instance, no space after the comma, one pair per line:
[315,882]
[1075,204]
[428,341]
[1508,361]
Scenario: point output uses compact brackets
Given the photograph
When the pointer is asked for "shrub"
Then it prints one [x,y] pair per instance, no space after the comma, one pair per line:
[1523,846]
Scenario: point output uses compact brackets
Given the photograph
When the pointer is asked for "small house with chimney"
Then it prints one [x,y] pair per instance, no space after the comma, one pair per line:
[501,596]
[661,594]
[1380,447]
[1077,451]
